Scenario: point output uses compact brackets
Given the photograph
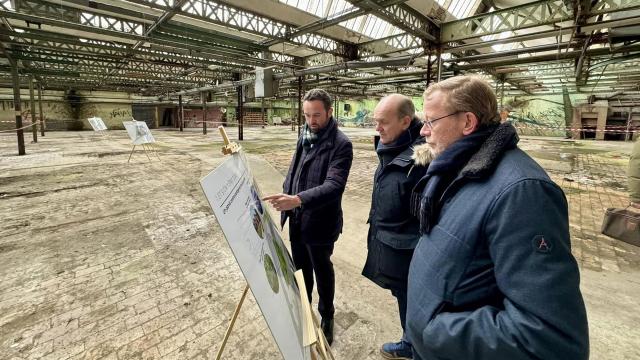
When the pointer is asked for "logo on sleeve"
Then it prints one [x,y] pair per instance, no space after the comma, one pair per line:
[542,244]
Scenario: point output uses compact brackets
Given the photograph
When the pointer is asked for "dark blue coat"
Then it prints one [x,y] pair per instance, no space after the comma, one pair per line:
[495,278]
[323,177]
[393,231]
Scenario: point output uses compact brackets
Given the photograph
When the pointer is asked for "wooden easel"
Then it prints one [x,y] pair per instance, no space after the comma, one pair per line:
[145,147]
[229,147]
[312,334]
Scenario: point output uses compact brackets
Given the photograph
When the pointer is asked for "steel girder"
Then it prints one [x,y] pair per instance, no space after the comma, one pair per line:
[246,21]
[140,30]
[56,61]
[405,18]
[530,15]
[96,53]
[209,50]
[400,42]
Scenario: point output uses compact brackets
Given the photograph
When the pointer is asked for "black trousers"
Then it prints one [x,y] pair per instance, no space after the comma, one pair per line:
[315,259]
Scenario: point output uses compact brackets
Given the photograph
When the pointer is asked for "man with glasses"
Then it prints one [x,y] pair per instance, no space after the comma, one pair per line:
[393,231]
[492,277]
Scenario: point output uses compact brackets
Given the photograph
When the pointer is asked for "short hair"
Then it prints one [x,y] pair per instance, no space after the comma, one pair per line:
[468,93]
[405,106]
[319,94]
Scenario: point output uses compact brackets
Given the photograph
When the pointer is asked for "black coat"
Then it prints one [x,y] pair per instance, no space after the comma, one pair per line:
[393,231]
[323,177]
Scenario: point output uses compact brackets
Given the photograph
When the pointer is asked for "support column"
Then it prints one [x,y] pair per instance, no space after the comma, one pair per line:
[293,113]
[156,118]
[568,112]
[239,113]
[262,112]
[203,96]
[18,108]
[336,106]
[32,100]
[300,94]
[180,113]
[40,108]
[439,59]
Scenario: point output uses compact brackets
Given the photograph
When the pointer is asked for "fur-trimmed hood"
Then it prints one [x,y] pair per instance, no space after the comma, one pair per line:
[422,155]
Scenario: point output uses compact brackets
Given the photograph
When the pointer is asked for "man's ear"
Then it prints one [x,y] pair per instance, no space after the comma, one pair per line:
[471,123]
[406,122]
[330,112]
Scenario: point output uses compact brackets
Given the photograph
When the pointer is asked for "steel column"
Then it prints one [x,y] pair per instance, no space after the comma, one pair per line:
[300,94]
[40,108]
[204,113]
[32,100]
[239,110]
[180,113]
[18,108]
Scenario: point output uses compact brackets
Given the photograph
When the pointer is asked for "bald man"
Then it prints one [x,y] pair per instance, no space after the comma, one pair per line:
[393,230]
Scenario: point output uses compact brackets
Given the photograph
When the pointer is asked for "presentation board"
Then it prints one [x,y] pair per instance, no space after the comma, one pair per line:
[138,132]
[97,124]
[252,235]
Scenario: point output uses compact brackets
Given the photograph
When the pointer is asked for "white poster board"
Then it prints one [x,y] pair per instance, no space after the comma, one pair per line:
[97,124]
[138,132]
[259,250]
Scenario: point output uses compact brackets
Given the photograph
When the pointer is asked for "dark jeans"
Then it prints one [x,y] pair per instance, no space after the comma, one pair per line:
[401,296]
[316,258]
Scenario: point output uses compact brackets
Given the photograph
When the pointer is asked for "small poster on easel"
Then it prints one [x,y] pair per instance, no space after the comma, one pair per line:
[140,135]
[138,132]
[97,124]
[259,250]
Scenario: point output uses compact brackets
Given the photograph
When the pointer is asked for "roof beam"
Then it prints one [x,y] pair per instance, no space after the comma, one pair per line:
[335,19]
[545,12]
[404,17]
[249,22]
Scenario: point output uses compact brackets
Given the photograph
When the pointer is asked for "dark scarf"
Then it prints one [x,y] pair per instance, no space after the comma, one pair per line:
[310,138]
[387,152]
[443,170]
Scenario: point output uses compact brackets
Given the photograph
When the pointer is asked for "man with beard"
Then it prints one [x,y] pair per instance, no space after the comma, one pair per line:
[492,277]
[312,199]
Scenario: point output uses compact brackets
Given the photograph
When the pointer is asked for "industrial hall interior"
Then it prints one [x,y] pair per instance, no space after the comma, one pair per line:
[320,179]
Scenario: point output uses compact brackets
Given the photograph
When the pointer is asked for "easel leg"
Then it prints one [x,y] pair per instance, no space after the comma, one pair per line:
[155,150]
[312,333]
[145,151]
[132,150]
[232,322]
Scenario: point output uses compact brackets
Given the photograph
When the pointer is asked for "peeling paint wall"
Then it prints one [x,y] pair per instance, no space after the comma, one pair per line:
[112,114]
[539,115]
[62,114]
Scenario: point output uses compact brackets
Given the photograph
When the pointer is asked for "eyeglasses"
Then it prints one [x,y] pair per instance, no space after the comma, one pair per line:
[429,123]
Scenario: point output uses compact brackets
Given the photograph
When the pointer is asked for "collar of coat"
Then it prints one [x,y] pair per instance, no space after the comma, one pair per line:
[327,137]
[484,161]
[407,157]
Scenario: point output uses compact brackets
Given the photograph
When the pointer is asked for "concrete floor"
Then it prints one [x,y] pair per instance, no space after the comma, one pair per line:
[104,259]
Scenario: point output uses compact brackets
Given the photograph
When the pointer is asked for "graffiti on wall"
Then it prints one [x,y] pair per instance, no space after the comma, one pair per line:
[537,116]
[120,113]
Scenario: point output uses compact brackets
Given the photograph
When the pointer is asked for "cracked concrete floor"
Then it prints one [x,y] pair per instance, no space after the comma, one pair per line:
[104,259]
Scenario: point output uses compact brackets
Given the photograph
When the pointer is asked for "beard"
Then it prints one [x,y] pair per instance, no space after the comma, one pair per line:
[433,151]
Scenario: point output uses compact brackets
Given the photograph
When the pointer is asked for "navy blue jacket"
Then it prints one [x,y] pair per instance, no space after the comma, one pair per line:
[393,231]
[495,278]
[323,177]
